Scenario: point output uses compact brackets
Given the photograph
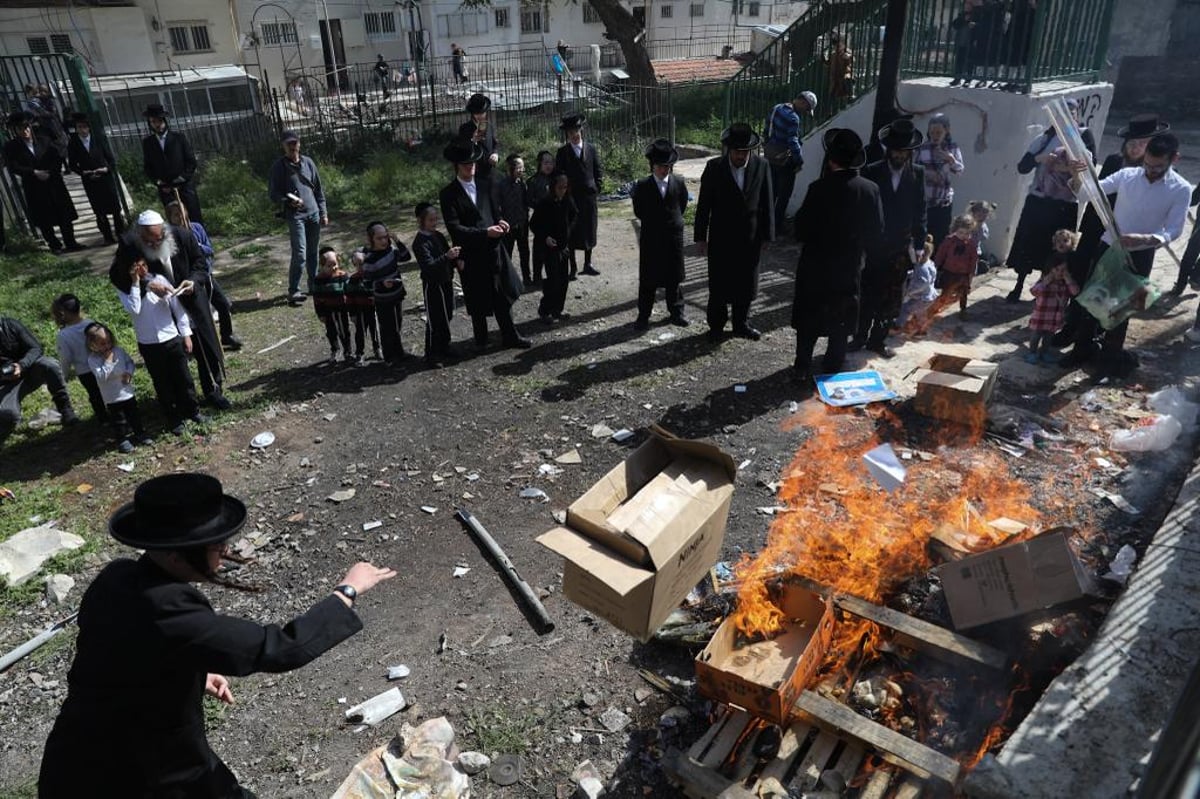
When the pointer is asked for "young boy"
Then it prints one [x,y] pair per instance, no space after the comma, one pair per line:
[438,262]
[329,301]
[73,351]
[514,209]
[113,370]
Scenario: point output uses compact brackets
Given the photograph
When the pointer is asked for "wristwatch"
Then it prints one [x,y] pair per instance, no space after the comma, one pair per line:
[348,592]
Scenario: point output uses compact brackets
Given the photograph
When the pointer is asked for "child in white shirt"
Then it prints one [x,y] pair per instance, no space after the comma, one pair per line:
[113,370]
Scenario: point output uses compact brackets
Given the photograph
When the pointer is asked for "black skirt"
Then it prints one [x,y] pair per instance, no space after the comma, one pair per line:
[1034,239]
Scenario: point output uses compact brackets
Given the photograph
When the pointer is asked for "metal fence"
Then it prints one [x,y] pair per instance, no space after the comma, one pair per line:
[1008,47]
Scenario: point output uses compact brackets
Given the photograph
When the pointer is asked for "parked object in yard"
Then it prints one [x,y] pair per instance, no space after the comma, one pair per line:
[537,612]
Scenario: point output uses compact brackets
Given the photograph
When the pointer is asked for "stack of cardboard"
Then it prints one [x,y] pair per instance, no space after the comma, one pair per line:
[955,388]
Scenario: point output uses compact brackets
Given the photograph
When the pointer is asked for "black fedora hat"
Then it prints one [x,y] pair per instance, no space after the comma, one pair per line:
[661,151]
[478,103]
[901,135]
[1143,126]
[177,511]
[740,136]
[572,121]
[155,110]
[19,118]
[77,117]
[462,150]
[845,147]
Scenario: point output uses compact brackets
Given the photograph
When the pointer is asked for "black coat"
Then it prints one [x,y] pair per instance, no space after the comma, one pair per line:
[660,257]
[903,208]
[554,219]
[584,174]
[174,164]
[840,219]
[133,721]
[483,167]
[486,259]
[101,189]
[735,223]
[47,202]
[17,344]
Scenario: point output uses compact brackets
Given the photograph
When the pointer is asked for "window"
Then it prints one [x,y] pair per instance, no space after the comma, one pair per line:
[501,17]
[666,11]
[38,45]
[453,25]
[589,14]
[189,37]
[380,25]
[531,20]
[697,10]
[752,9]
[61,43]
[279,33]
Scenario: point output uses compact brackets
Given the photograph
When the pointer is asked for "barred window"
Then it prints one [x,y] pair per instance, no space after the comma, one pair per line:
[61,43]
[501,15]
[38,45]
[279,33]
[589,14]
[380,25]
[697,10]
[189,37]
[666,11]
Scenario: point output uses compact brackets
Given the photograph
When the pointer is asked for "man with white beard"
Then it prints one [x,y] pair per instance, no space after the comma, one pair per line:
[173,253]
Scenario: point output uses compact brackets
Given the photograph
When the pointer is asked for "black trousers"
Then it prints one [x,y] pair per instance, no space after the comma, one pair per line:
[539,258]
[364,324]
[42,372]
[187,195]
[673,295]
[1187,264]
[880,301]
[389,316]
[1087,329]
[337,331]
[206,347]
[938,222]
[126,421]
[109,230]
[224,308]
[504,321]
[835,350]
[439,308]
[168,367]
[519,234]
[95,399]
[68,235]
[554,286]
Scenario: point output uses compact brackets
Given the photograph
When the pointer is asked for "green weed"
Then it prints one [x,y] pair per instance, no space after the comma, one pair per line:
[500,729]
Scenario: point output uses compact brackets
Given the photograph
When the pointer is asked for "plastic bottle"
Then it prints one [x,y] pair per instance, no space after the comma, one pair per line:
[1172,402]
[1155,434]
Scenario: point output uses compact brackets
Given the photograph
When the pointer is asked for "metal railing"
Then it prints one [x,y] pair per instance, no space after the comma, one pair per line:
[1008,48]
[805,58]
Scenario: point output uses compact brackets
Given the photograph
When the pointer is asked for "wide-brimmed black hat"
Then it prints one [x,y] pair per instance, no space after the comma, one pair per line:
[156,110]
[845,147]
[901,135]
[1143,126]
[77,117]
[661,151]
[18,118]
[462,150]
[178,511]
[478,103]
[572,121]
[740,136]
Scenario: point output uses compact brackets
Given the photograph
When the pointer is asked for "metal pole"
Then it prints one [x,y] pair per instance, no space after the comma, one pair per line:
[540,618]
[337,83]
[35,642]
[889,64]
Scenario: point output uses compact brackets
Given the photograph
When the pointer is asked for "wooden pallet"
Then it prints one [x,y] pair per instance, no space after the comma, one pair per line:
[722,764]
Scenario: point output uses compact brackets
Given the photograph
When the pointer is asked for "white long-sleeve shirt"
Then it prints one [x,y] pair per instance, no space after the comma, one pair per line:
[156,320]
[72,349]
[1158,209]
[110,375]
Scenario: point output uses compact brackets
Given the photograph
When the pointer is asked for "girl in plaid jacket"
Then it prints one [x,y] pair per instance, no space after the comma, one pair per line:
[1051,295]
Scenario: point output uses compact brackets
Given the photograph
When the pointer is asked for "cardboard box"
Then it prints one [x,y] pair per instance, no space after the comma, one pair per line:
[646,533]
[1014,579]
[765,678]
[955,388]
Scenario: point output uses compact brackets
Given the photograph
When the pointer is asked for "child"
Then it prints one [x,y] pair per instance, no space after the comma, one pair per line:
[329,301]
[360,302]
[1051,295]
[438,261]
[552,222]
[964,35]
[164,336]
[380,262]
[177,215]
[537,189]
[73,351]
[919,295]
[956,259]
[514,205]
[113,369]
[980,210]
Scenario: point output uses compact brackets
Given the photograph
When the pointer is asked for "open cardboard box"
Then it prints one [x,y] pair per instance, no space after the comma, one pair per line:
[1014,579]
[647,532]
[955,388]
[765,678]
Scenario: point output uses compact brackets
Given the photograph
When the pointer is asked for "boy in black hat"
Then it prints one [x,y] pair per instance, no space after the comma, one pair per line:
[734,221]
[168,161]
[39,165]
[150,647]
[93,161]
[580,162]
[479,107]
[659,201]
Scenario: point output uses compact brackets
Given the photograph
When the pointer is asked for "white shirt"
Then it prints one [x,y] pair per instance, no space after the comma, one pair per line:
[1158,208]
[472,192]
[29,145]
[896,175]
[110,375]
[578,148]
[662,185]
[162,142]
[156,320]
[86,141]
[72,348]
[739,175]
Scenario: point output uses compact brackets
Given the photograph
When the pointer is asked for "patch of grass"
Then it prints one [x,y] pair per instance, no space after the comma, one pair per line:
[249,251]
[22,790]
[214,713]
[500,729]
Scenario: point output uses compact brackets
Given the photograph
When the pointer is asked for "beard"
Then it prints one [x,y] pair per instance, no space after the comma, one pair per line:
[162,252]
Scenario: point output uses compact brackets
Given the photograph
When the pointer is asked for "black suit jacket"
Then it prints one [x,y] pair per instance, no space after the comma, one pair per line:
[727,217]
[903,208]
[175,163]
[101,189]
[583,171]
[467,224]
[660,257]
[46,201]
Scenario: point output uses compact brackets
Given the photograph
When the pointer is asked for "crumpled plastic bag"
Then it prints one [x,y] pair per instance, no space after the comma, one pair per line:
[1114,292]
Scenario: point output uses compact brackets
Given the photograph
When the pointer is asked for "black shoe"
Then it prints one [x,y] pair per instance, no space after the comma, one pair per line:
[177,429]
[1013,296]
[69,417]
[200,418]
[641,323]
[679,321]
[716,335]
[591,270]
[747,332]
[882,350]
[856,344]
[955,82]
[74,246]
[218,401]
[1074,359]
[144,440]
[450,353]
[378,354]
[803,379]
[232,343]
[1178,289]
[125,447]
[518,343]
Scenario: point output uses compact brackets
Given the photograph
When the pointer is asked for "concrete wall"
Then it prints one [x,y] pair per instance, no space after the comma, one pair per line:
[1152,57]
[990,173]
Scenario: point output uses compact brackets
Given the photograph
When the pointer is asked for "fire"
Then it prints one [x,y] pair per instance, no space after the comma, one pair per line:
[999,731]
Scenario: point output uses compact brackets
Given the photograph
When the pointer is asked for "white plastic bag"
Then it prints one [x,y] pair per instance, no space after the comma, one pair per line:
[1157,434]
[1172,402]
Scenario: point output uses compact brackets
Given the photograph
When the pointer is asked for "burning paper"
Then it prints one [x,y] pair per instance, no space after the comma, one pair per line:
[885,467]
[853,388]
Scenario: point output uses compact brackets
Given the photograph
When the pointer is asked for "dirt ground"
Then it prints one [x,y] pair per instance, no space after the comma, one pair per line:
[408,441]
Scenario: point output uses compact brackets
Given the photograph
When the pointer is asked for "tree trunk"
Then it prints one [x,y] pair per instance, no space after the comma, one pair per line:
[621,26]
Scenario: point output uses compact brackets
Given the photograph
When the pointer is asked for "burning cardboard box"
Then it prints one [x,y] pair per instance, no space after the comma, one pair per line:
[643,536]
[766,676]
[955,388]
[1014,579]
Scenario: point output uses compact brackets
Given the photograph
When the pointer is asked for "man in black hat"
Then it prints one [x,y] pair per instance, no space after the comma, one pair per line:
[39,165]
[659,200]
[167,159]
[23,369]
[902,194]
[840,220]
[479,106]
[295,185]
[382,73]
[150,647]
[580,162]
[473,218]
[734,221]
[93,161]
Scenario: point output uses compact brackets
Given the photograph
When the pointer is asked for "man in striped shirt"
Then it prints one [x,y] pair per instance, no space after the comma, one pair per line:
[783,149]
